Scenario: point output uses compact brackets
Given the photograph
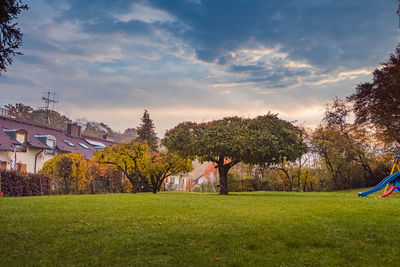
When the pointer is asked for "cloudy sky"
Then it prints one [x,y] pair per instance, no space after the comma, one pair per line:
[197,59]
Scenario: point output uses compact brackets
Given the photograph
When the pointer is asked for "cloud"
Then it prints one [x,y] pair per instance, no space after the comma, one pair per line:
[187,59]
[327,35]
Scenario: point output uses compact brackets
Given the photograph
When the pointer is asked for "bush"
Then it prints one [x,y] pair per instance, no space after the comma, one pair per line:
[238,184]
[18,184]
[69,172]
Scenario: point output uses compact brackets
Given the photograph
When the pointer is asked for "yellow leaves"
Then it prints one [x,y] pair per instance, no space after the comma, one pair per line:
[136,160]
[69,170]
[168,163]
[127,157]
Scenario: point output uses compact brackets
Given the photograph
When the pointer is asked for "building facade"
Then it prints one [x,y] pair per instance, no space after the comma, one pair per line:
[32,145]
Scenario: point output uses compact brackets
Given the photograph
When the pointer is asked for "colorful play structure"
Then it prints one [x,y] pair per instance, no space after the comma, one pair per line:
[393,179]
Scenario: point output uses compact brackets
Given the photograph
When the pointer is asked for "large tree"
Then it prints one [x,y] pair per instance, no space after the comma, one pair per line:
[146,132]
[146,170]
[10,35]
[129,158]
[377,103]
[228,141]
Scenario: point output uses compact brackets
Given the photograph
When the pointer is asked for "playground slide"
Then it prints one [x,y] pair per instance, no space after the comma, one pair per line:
[391,190]
[381,185]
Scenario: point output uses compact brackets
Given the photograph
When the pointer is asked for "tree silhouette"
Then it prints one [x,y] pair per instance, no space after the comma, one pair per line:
[10,35]
[377,103]
[146,132]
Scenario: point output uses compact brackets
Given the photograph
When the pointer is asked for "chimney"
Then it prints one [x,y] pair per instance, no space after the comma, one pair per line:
[107,137]
[74,129]
[4,112]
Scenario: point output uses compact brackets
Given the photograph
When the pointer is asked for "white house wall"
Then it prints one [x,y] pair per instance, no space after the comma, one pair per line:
[5,156]
[27,158]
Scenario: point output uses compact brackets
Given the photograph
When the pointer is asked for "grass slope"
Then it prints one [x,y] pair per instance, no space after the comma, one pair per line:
[263,228]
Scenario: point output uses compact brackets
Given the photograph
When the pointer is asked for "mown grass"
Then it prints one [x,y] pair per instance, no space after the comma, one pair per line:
[252,229]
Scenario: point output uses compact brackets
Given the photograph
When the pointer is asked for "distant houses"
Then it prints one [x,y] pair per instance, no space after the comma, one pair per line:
[32,145]
[202,173]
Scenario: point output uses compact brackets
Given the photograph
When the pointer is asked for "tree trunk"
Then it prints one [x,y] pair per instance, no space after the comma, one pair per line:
[223,180]
[223,170]
[132,181]
[135,183]
[223,175]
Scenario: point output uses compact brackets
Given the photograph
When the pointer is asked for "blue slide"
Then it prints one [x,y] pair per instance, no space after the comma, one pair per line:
[381,185]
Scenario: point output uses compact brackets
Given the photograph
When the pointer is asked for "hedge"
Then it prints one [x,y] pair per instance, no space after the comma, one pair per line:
[18,184]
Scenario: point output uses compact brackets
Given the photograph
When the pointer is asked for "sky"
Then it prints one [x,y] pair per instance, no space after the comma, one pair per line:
[197,60]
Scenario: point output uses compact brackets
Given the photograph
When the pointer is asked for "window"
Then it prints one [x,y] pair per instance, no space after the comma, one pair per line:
[4,112]
[21,167]
[84,146]
[51,141]
[68,142]
[21,137]
[97,145]
[3,165]
[48,140]
[52,144]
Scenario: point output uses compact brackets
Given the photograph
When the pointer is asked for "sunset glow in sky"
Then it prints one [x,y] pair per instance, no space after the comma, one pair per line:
[197,59]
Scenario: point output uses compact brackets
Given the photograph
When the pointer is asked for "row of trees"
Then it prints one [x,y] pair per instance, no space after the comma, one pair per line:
[357,152]
[226,142]
[145,169]
[352,147]
[132,166]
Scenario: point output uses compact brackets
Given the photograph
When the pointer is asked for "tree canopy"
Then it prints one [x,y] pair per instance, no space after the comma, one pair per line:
[146,170]
[20,111]
[69,170]
[10,35]
[129,158]
[377,103]
[228,141]
[163,165]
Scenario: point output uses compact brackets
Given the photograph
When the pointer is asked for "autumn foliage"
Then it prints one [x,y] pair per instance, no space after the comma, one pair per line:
[145,169]
[71,173]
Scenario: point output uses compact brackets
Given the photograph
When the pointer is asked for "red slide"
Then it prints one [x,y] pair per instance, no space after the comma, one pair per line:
[389,191]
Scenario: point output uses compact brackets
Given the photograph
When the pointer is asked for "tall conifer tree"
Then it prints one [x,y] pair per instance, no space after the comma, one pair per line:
[146,132]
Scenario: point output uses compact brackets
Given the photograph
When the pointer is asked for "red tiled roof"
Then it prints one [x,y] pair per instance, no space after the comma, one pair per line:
[7,143]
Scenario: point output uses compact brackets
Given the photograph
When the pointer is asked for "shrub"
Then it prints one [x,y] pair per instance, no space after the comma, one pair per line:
[17,184]
[69,172]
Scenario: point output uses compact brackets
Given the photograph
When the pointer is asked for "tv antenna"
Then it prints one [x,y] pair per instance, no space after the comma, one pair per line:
[50,101]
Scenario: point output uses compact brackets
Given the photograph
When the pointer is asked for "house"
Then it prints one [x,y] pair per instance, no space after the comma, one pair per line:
[201,174]
[176,182]
[35,144]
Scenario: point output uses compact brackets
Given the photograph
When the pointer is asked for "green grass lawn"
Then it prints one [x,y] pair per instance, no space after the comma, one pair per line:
[262,228]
